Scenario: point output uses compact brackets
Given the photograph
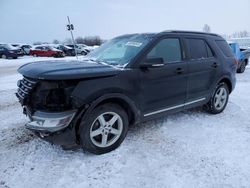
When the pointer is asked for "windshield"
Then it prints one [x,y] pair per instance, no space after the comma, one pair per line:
[51,47]
[120,50]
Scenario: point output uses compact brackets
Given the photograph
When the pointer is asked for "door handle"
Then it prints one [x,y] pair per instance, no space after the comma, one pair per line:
[158,65]
[214,65]
[179,71]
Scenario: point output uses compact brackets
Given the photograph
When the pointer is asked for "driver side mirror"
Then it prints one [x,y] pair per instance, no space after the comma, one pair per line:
[152,63]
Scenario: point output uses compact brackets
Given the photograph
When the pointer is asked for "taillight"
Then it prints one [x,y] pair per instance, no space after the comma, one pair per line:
[236,62]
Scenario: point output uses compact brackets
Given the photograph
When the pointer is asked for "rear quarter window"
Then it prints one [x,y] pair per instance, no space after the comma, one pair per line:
[225,48]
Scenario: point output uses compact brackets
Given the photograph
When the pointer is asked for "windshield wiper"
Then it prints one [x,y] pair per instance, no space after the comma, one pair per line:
[102,62]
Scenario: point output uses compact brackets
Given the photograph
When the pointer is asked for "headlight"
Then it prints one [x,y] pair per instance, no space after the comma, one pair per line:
[50,121]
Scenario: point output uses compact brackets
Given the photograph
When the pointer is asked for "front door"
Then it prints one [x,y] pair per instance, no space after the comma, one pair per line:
[164,85]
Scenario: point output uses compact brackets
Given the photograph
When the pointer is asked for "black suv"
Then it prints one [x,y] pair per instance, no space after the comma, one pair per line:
[129,79]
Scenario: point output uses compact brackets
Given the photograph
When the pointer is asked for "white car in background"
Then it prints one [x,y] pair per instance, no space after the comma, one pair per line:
[24,47]
[80,49]
[84,46]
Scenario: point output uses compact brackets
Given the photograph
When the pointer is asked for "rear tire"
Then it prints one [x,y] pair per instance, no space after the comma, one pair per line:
[4,56]
[242,68]
[219,100]
[84,53]
[104,129]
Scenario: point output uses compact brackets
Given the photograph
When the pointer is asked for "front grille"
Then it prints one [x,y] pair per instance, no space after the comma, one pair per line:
[25,86]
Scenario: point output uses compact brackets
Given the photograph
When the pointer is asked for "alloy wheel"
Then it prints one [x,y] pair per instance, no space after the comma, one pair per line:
[220,98]
[106,129]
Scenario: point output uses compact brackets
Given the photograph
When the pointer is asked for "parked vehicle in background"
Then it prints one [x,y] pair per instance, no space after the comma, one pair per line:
[18,47]
[242,55]
[68,51]
[46,51]
[79,49]
[7,51]
[129,79]
[26,48]
[87,48]
[243,42]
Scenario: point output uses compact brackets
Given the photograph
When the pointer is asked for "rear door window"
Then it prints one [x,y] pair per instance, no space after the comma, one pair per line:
[199,49]
[168,49]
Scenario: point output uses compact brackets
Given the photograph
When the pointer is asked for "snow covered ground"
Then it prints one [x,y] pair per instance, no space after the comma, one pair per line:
[187,149]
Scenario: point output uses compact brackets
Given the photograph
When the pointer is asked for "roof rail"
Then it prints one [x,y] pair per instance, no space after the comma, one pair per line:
[190,32]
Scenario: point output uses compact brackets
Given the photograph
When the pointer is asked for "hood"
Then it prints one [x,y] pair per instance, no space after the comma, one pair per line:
[66,70]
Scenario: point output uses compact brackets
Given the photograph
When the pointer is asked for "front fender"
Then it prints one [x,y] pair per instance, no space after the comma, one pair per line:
[89,93]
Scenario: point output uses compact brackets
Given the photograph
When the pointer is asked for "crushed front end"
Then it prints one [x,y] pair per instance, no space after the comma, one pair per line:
[48,105]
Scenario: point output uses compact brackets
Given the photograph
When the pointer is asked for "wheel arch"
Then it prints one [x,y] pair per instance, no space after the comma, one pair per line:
[228,82]
[123,101]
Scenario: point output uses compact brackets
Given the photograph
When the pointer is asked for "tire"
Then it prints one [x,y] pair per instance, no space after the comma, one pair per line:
[97,126]
[4,56]
[84,53]
[219,100]
[242,67]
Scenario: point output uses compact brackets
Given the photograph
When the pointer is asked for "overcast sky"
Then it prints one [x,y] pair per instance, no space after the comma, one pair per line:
[27,21]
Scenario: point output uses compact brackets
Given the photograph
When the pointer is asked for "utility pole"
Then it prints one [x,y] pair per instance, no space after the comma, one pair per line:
[70,27]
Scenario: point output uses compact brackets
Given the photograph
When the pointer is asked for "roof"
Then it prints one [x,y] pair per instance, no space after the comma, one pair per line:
[190,32]
[169,31]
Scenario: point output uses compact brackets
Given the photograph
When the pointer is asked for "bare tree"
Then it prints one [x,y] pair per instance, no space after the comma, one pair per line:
[93,40]
[241,34]
[37,43]
[79,40]
[56,41]
[68,41]
[206,28]
[89,40]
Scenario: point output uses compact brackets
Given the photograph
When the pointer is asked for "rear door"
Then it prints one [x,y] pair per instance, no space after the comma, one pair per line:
[202,69]
[47,51]
[38,51]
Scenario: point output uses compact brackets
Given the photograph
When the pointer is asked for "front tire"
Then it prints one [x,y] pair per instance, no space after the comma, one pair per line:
[104,129]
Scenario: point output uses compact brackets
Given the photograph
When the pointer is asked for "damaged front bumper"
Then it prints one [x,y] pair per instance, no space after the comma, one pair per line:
[50,121]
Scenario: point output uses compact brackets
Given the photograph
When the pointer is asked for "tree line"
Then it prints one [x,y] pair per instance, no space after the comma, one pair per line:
[88,40]
[237,34]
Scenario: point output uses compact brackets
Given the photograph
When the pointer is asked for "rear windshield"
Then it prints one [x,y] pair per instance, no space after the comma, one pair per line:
[225,48]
